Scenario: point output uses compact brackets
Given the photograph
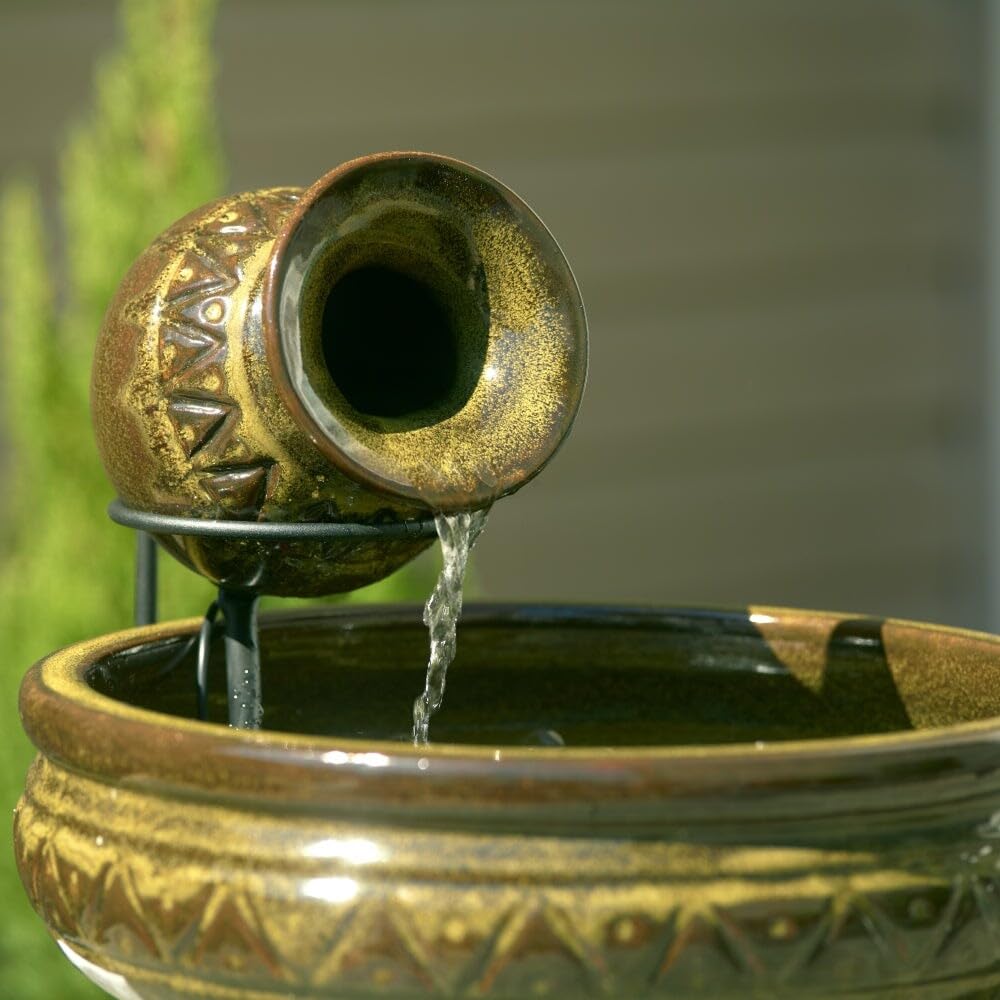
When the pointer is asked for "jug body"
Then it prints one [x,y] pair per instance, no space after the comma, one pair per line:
[403,337]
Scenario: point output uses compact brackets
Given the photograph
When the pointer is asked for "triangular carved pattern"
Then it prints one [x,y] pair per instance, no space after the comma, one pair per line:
[199,421]
[47,880]
[196,278]
[537,948]
[230,938]
[193,352]
[697,947]
[119,920]
[190,355]
[239,490]
[377,944]
[378,939]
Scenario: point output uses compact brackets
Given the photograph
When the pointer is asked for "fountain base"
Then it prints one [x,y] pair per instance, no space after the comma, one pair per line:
[772,802]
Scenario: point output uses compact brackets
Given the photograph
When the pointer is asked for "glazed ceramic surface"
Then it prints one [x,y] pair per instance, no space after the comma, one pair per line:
[770,803]
[403,336]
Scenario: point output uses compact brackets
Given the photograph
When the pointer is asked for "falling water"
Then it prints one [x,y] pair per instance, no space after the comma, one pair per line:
[458,534]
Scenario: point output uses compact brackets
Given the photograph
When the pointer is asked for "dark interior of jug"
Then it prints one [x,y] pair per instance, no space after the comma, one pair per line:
[581,677]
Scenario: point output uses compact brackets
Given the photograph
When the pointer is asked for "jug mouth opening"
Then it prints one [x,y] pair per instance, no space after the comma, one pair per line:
[392,348]
[393,320]
[423,327]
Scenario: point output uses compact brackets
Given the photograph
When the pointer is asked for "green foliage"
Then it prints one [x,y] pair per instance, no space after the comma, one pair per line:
[146,154]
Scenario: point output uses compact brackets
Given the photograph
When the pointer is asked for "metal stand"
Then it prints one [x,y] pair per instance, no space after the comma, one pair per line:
[201,669]
[145,578]
[238,607]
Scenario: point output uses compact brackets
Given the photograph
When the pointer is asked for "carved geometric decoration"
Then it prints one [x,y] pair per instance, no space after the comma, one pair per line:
[197,277]
[197,420]
[859,945]
[186,349]
[229,237]
[376,947]
[987,895]
[699,953]
[78,889]
[194,313]
[456,948]
[633,943]
[238,489]
[47,878]
[206,313]
[230,937]
[175,919]
[914,926]
[238,220]
[537,951]
[120,920]
[775,939]
[966,936]
[275,208]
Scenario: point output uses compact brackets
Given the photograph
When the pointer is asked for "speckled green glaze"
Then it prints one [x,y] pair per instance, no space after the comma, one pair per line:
[764,803]
[214,391]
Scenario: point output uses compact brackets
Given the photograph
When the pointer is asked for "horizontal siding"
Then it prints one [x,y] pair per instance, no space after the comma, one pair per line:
[814,524]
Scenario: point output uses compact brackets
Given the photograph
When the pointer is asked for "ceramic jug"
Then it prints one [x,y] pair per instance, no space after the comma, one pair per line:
[403,337]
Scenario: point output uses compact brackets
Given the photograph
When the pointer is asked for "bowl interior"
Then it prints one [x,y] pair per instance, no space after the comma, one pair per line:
[590,677]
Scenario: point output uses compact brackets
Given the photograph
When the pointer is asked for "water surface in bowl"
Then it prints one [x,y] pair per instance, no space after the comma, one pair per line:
[594,677]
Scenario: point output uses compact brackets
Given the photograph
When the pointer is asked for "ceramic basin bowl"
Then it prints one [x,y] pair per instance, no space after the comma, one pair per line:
[763,803]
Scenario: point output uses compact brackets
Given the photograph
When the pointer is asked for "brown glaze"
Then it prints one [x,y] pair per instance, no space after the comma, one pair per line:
[403,336]
[754,860]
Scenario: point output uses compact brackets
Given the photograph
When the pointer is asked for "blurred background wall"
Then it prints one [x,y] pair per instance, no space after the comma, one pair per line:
[774,210]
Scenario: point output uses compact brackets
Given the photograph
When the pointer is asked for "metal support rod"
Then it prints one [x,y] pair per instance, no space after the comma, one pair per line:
[145,578]
[201,667]
[239,608]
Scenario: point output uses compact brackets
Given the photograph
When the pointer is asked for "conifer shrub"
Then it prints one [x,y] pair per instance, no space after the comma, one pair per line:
[145,154]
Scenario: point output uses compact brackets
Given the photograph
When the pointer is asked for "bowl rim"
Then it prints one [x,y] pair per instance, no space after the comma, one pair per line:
[943,771]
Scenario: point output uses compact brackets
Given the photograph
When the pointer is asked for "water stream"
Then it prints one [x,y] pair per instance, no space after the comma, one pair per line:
[458,534]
